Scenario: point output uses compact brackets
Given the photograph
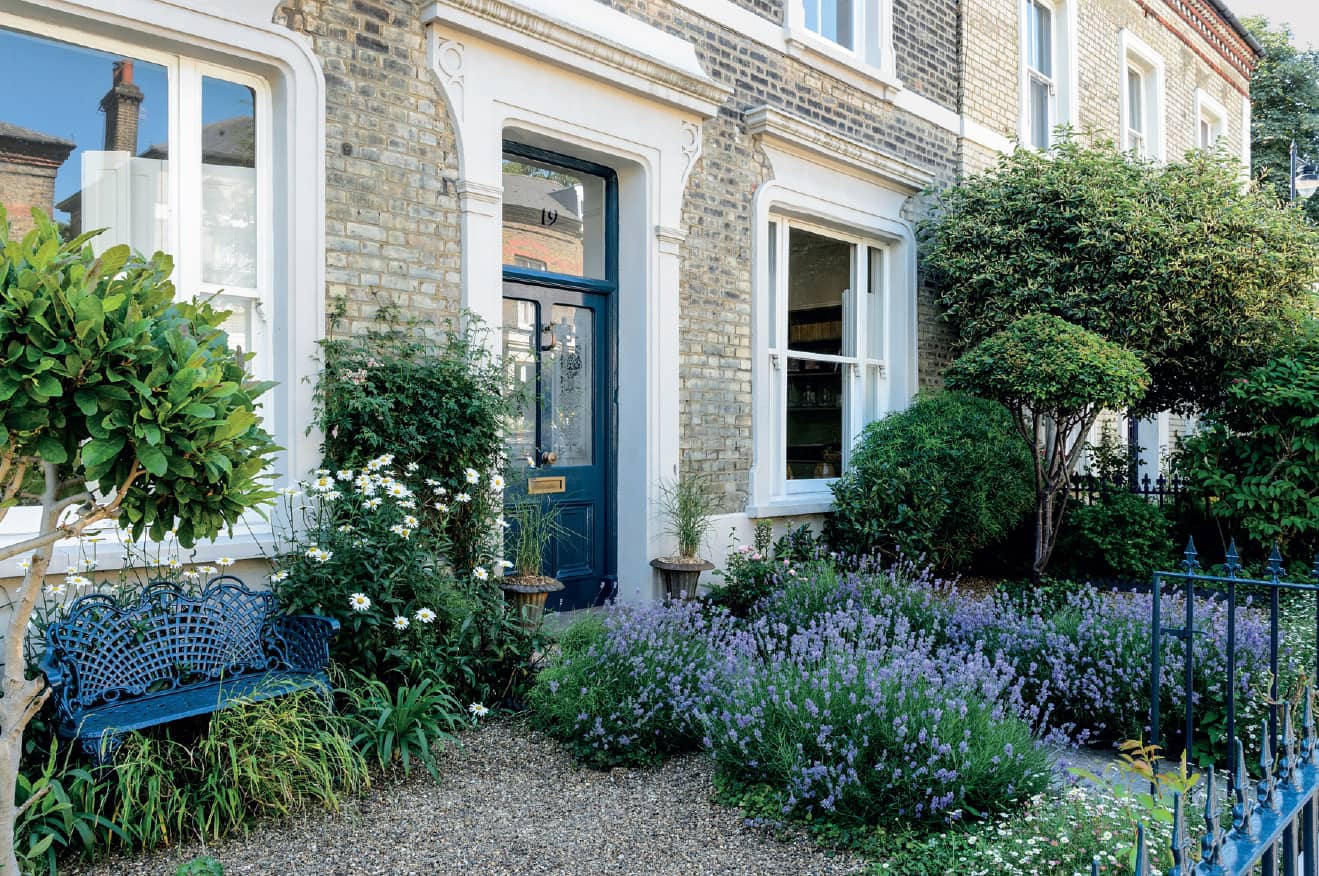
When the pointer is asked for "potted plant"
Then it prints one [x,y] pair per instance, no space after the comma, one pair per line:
[533,527]
[688,504]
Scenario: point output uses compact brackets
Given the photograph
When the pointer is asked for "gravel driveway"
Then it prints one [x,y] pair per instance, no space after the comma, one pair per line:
[512,802]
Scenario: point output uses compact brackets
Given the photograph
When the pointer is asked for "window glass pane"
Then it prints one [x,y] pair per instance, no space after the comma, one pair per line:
[875,299]
[85,138]
[241,322]
[1041,43]
[229,206]
[1040,113]
[1135,101]
[832,19]
[1206,135]
[520,352]
[819,275]
[814,419]
[554,218]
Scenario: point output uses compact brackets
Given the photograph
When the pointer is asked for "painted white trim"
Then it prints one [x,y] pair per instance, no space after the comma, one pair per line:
[1245,136]
[833,194]
[240,35]
[499,86]
[1207,107]
[593,40]
[1135,52]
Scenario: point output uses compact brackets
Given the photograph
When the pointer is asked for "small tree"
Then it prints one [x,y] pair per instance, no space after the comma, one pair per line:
[1179,262]
[119,403]
[1054,378]
[1284,107]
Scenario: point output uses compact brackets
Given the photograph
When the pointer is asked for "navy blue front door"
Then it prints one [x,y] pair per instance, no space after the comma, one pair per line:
[557,355]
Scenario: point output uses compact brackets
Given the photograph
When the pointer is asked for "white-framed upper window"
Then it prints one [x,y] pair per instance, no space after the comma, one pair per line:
[1040,62]
[1210,121]
[859,27]
[1141,112]
[163,151]
[827,295]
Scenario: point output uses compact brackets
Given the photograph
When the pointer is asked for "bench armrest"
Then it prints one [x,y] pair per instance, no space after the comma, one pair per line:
[52,669]
[304,639]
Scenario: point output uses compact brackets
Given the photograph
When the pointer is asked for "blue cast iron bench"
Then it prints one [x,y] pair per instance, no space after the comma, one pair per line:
[115,668]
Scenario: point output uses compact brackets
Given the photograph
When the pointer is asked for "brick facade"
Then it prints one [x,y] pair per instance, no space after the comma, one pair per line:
[392,223]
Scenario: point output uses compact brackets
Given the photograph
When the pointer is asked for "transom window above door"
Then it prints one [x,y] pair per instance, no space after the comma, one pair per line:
[826,330]
[554,218]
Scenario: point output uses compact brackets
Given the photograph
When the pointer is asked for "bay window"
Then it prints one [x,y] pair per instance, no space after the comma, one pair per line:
[827,296]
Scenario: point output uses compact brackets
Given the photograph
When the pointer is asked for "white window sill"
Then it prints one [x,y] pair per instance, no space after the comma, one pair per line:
[843,64]
[252,540]
[793,505]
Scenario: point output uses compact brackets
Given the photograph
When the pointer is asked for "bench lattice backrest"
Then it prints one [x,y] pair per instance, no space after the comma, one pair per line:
[165,639]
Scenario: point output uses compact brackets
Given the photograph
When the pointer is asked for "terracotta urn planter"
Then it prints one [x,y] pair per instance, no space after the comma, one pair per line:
[526,595]
[680,575]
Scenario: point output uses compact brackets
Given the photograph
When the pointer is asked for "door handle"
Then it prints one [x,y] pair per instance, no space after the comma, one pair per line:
[548,457]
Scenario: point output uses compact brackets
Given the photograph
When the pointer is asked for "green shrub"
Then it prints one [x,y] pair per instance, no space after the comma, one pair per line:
[434,401]
[942,479]
[1256,455]
[1119,536]
[396,726]
[62,817]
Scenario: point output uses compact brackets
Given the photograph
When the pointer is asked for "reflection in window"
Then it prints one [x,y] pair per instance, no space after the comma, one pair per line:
[553,218]
[91,147]
[229,207]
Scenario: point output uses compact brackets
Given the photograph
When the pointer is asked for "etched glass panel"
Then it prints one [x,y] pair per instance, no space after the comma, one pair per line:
[571,392]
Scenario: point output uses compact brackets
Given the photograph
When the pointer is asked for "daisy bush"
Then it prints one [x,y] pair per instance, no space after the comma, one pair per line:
[361,551]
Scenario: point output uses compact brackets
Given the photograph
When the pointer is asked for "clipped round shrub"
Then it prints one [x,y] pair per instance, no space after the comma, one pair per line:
[943,479]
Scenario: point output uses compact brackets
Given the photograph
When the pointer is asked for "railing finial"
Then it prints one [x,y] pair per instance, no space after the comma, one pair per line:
[1181,860]
[1232,559]
[1267,787]
[1190,564]
[1288,768]
[1211,844]
[1243,809]
[1276,571]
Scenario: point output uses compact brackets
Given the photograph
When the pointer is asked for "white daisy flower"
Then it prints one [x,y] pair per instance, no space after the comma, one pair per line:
[359,602]
[173,562]
[441,507]
[194,575]
[373,504]
[344,474]
[462,497]
[323,483]
[478,710]
[410,521]
[57,588]
[207,570]
[320,555]
[401,531]
[290,492]
[224,562]
[407,503]
[472,475]
[411,467]
[281,575]
[432,483]
[401,623]
[480,574]
[25,564]
[425,616]
[503,564]
[497,482]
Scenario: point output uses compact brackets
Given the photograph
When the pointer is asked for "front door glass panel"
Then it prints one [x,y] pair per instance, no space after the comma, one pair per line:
[572,384]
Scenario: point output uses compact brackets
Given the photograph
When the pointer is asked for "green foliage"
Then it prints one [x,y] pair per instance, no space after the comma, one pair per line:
[360,536]
[1284,106]
[123,388]
[942,479]
[268,759]
[1121,536]
[1174,262]
[534,525]
[205,866]
[434,400]
[1049,366]
[396,726]
[688,503]
[1256,455]
[62,817]
[753,572]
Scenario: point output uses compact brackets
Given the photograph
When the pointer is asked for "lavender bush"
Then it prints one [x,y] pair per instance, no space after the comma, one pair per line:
[629,688]
[858,716]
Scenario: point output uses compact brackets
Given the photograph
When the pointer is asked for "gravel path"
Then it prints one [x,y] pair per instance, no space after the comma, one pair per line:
[512,802]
